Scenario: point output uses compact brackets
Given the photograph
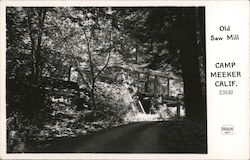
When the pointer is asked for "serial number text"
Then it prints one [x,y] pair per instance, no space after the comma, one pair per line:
[226,92]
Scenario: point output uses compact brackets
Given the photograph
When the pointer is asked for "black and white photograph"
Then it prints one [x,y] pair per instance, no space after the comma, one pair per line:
[106,79]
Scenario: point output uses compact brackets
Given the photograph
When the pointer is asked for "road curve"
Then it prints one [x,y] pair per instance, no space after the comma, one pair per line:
[141,137]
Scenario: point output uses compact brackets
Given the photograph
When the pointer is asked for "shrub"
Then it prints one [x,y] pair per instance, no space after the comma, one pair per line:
[18,130]
[112,104]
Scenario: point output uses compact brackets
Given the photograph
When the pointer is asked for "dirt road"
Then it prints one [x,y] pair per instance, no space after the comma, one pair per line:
[141,137]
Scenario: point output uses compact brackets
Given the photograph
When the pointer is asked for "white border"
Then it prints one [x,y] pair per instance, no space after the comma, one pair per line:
[219,147]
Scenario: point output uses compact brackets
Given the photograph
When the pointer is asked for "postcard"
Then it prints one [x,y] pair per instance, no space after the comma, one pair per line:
[124,79]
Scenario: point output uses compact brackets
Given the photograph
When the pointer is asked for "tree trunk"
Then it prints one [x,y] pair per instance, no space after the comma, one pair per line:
[195,108]
[33,91]
[92,74]
[93,95]
[41,17]
[32,41]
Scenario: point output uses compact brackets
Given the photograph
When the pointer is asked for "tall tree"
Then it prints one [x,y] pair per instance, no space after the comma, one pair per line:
[189,58]
[25,29]
[172,36]
[36,17]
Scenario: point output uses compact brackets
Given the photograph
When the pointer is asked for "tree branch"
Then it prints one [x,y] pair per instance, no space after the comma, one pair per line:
[73,57]
[90,57]
[105,66]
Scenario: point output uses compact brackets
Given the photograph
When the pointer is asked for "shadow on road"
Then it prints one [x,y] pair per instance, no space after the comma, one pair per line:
[140,137]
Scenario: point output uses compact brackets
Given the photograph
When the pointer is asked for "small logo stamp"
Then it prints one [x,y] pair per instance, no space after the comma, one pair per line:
[227,129]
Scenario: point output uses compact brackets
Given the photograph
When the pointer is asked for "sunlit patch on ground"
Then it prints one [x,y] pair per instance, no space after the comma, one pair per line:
[163,114]
[143,117]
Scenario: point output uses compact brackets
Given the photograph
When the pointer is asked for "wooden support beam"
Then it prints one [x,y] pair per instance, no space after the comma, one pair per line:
[138,75]
[168,87]
[143,71]
[155,84]
[146,87]
[69,73]
[178,111]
